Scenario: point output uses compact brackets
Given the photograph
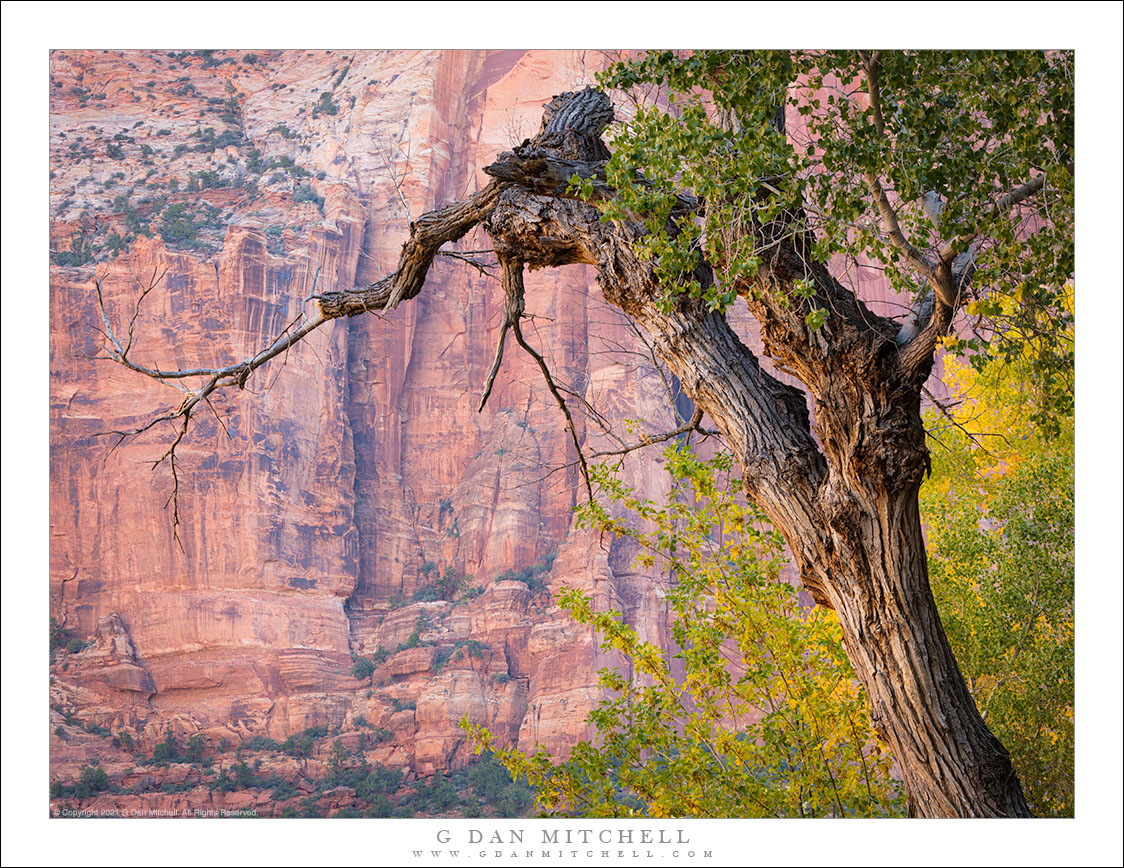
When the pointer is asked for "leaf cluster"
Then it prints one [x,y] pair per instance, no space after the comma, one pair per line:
[777,144]
[999,508]
[756,713]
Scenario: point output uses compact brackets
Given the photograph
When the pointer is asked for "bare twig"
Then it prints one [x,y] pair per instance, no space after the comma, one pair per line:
[513,306]
[973,437]
[465,258]
[397,184]
[214,378]
[693,424]
[513,288]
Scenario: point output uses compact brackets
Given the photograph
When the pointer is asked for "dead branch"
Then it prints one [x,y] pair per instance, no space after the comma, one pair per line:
[973,437]
[568,144]
[513,306]
[427,234]
[693,424]
[513,312]
[214,379]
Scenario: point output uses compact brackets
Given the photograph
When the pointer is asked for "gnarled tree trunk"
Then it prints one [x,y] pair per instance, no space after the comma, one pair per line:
[847,504]
[848,512]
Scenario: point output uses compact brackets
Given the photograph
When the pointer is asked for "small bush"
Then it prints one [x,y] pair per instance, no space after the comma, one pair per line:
[193,750]
[58,636]
[362,668]
[305,193]
[380,780]
[91,780]
[259,742]
[167,751]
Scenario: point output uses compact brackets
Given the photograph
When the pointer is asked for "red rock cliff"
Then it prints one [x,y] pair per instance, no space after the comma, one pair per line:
[319,503]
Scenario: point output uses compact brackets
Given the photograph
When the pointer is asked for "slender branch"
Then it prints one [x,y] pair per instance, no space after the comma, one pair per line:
[886,211]
[1023,191]
[693,424]
[140,299]
[1005,202]
[893,228]
[948,414]
[513,278]
[397,184]
[872,62]
[468,260]
[427,234]
[215,378]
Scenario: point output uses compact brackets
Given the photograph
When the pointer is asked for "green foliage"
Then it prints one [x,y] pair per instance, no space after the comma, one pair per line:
[206,180]
[193,750]
[81,251]
[326,105]
[379,781]
[449,584]
[999,508]
[362,668]
[178,224]
[91,781]
[440,659]
[963,126]
[168,750]
[344,768]
[260,742]
[767,720]
[58,635]
[309,808]
[434,796]
[95,729]
[493,784]
[533,576]
[305,193]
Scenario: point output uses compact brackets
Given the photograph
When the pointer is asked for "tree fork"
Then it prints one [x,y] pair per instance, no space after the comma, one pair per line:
[849,513]
[851,519]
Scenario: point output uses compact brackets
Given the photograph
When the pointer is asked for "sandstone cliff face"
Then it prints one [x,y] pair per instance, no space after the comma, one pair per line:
[317,504]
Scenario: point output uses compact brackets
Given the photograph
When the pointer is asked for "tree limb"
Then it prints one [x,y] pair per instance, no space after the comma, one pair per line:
[513,307]
[693,424]
[427,234]
[513,289]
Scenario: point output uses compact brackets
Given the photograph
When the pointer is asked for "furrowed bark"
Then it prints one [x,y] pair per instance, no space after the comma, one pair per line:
[849,514]
[845,500]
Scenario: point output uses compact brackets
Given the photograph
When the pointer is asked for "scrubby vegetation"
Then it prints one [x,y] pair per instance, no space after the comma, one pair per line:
[534,576]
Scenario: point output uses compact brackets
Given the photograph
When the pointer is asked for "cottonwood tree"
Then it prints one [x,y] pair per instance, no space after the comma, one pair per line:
[765,176]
